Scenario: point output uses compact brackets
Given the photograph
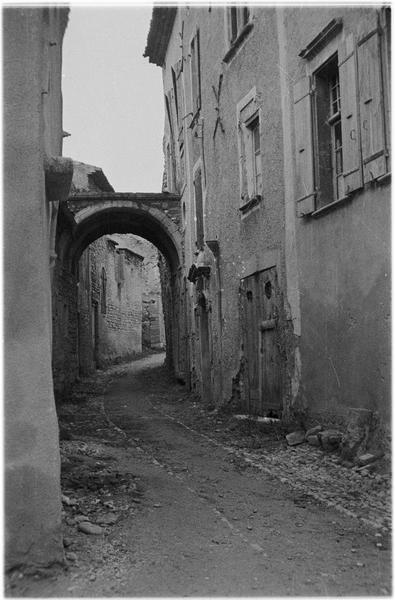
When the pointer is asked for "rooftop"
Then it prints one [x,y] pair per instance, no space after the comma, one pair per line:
[161,26]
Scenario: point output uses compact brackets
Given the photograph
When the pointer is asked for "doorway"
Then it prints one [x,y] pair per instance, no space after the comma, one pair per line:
[260,303]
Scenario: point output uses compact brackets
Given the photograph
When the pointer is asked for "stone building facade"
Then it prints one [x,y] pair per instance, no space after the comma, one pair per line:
[110,288]
[277,139]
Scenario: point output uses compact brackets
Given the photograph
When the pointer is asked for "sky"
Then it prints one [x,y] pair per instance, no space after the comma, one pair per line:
[112,96]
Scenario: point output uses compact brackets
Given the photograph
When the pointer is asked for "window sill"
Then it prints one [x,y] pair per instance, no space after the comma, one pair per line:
[330,206]
[238,42]
[248,206]
[333,205]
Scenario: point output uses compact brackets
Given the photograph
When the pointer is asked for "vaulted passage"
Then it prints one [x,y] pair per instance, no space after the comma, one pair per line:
[156,217]
[84,218]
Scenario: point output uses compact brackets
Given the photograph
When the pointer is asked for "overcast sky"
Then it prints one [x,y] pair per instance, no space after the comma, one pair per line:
[112,96]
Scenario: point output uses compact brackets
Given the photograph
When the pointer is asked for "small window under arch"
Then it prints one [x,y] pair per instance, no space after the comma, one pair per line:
[103,295]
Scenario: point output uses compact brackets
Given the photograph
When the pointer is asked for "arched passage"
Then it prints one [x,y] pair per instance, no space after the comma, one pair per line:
[154,217]
[84,218]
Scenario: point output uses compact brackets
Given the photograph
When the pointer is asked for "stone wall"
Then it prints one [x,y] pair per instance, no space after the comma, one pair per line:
[65,330]
[119,307]
[153,324]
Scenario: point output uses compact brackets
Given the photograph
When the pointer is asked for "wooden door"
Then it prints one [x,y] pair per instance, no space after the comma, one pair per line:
[260,311]
[269,356]
[250,342]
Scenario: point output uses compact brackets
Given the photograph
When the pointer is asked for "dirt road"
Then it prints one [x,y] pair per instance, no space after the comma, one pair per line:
[199,521]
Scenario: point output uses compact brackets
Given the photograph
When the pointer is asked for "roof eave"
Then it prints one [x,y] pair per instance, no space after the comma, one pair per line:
[161,26]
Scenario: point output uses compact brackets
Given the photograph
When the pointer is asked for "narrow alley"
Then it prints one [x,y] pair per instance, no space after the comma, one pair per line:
[159,499]
[197,307]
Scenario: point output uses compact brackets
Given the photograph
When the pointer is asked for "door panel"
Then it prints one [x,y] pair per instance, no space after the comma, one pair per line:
[259,314]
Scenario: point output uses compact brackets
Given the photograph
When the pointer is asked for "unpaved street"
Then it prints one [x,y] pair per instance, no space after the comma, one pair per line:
[190,517]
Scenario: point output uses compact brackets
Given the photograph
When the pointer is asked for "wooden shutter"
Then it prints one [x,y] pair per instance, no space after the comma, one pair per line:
[371,107]
[199,100]
[352,168]
[180,94]
[199,209]
[305,192]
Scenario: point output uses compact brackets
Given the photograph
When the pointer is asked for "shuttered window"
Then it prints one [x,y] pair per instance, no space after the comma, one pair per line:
[103,295]
[371,107]
[199,209]
[340,129]
[195,73]
[305,191]
[238,18]
[352,172]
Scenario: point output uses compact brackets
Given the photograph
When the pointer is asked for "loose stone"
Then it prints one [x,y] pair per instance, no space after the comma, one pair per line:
[90,528]
[295,438]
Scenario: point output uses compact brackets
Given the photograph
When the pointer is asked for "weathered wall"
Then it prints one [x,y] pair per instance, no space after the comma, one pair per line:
[153,332]
[344,267]
[332,324]
[32,127]
[65,329]
[245,243]
[119,321]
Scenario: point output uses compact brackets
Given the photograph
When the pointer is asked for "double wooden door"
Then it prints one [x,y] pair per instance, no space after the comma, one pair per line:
[260,302]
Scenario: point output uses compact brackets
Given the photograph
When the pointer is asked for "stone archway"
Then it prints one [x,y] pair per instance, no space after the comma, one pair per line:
[155,217]
[85,217]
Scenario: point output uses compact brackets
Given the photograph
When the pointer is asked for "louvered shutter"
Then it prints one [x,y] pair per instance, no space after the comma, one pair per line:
[199,86]
[352,168]
[305,192]
[199,209]
[371,107]
[180,94]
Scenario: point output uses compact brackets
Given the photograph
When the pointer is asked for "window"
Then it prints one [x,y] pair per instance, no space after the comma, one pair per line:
[195,74]
[341,133]
[250,154]
[255,151]
[329,158]
[120,274]
[177,93]
[103,295]
[238,25]
[199,209]
[238,18]
[170,166]
[174,80]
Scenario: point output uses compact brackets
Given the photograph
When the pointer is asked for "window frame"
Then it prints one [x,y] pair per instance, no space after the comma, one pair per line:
[199,219]
[362,59]
[237,27]
[195,74]
[103,290]
[322,78]
[236,16]
[249,119]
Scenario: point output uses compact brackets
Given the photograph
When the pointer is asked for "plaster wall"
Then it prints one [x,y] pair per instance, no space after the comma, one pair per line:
[32,128]
[344,268]
[245,244]
[333,271]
